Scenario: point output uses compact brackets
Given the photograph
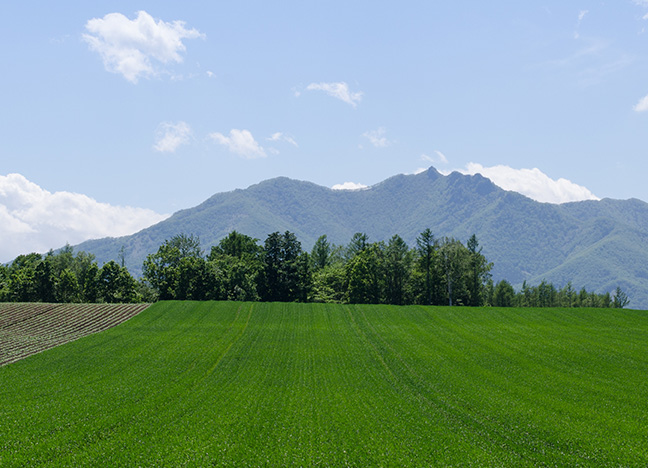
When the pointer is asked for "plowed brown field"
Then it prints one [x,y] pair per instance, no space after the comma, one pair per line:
[29,328]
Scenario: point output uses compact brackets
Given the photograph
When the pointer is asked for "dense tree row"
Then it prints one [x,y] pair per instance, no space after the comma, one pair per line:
[65,277]
[546,295]
[435,272]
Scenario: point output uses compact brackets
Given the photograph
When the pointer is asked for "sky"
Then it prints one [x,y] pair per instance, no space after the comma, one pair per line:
[113,115]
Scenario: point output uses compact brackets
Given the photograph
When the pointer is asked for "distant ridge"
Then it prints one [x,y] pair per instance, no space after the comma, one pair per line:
[596,244]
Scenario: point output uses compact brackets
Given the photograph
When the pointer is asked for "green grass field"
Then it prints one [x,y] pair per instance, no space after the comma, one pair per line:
[238,384]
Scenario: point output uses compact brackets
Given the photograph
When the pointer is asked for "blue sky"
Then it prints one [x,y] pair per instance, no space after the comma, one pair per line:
[114,114]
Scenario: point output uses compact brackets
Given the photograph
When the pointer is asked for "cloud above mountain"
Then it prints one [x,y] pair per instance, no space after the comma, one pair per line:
[532,183]
[33,219]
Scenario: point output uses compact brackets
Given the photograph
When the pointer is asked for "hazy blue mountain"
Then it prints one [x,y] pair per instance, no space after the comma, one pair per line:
[595,244]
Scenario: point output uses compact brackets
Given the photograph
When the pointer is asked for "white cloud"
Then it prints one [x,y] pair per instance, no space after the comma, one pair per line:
[642,105]
[136,48]
[581,15]
[241,143]
[533,183]
[349,186]
[35,220]
[438,158]
[170,136]
[377,137]
[338,90]
[279,136]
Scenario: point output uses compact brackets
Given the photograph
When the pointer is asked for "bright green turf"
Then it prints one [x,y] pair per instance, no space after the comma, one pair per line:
[289,384]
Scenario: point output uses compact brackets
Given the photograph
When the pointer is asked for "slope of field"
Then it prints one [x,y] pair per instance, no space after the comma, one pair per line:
[250,384]
[29,328]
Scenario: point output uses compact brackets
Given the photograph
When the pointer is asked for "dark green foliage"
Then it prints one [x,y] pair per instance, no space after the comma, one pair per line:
[504,294]
[321,253]
[398,267]
[426,265]
[620,299]
[64,277]
[161,269]
[434,273]
[116,284]
[286,275]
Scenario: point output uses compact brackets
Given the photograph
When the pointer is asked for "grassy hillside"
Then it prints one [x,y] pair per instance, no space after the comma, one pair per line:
[289,384]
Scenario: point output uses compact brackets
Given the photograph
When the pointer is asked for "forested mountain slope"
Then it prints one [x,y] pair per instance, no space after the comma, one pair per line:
[595,244]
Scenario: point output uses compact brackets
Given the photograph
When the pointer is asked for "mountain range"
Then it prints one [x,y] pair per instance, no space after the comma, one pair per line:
[598,245]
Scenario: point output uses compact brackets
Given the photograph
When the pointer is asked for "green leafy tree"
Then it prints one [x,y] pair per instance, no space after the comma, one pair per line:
[4,283]
[89,282]
[67,287]
[237,264]
[358,243]
[365,275]
[329,284]
[453,260]
[620,299]
[321,253]
[116,285]
[282,272]
[161,269]
[504,294]
[44,281]
[478,273]
[397,267]
[426,265]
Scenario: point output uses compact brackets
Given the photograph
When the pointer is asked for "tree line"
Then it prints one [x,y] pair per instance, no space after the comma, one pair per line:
[436,271]
[65,277]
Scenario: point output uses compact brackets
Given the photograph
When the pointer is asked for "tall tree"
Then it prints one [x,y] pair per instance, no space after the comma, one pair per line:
[426,249]
[453,258]
[620,299]
[478,272]
[281,278]
[365,275]
[397,270]
[321,253]
[358,243]
[44,281]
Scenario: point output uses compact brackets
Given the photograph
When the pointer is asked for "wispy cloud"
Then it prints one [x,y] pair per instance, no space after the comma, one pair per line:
[531,182]
[642,105]
[349,186]
[241,143]
[377,137]
[33,219]
[279,136]
[438,157]
[338,90]
[581,15]
[136,48]
[170,136]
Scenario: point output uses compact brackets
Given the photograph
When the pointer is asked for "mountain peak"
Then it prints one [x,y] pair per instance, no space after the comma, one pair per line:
[525,239]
